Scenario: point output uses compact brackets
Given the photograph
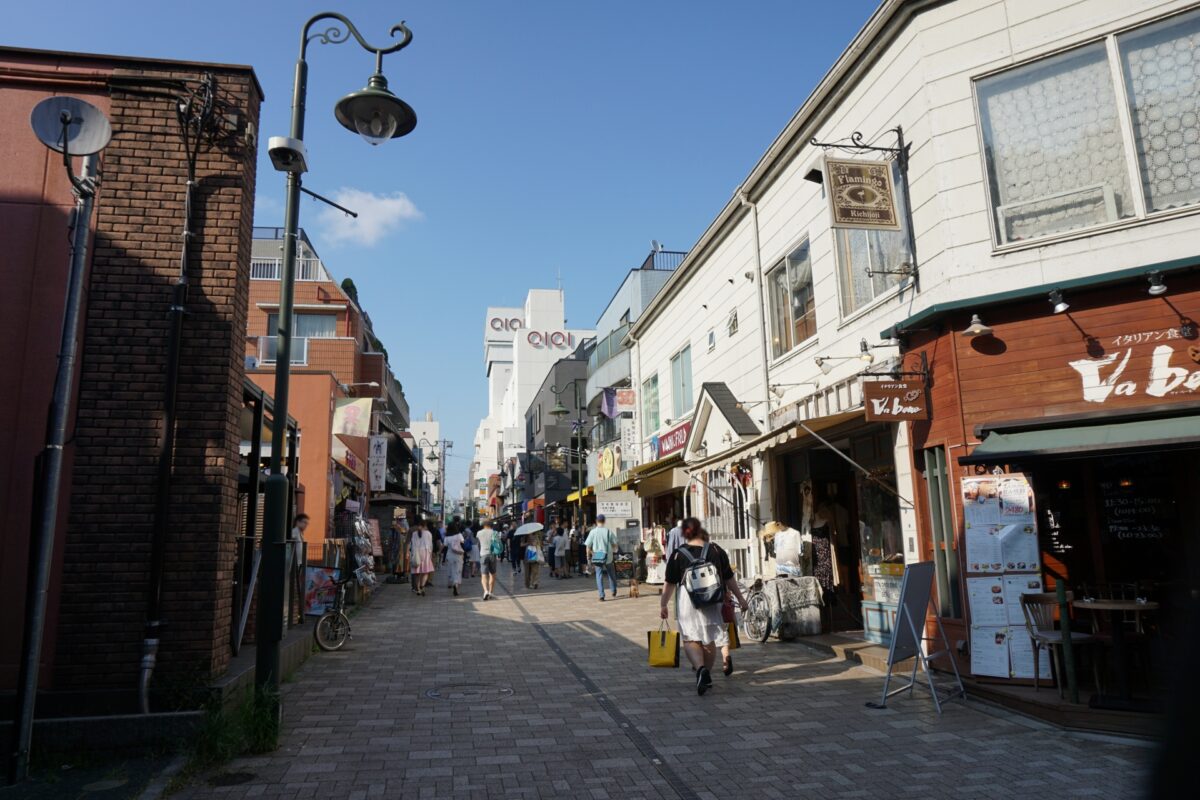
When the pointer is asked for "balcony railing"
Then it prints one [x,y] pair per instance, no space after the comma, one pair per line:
[607,347]
[270,269]
[267,348]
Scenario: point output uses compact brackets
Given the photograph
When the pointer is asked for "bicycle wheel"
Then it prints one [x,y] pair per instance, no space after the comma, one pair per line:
[332,631]
[756,618]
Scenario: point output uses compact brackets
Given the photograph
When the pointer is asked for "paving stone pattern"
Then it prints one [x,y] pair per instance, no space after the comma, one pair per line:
[586,718]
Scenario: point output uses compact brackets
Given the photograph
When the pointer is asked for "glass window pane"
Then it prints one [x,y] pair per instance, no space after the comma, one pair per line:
[804,314]
[650,404]
[853,259]
[316,326]
[1053,145]
[777,299]
[685,371]
[1162,77]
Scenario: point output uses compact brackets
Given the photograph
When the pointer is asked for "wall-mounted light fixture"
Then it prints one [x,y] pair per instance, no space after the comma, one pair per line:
[1056,300]
[1157,285]
[976,328]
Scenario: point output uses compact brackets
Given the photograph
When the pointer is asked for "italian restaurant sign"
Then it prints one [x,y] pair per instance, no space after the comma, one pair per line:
[861,194]
[894,401]
[1174,367]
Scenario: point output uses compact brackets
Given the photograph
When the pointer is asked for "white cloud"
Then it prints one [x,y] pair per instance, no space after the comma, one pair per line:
[378,216]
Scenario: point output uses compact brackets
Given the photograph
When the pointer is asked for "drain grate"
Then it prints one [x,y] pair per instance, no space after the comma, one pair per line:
[231,779]
[470,692]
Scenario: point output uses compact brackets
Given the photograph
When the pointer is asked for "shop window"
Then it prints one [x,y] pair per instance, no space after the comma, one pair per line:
[869,262]
[681,383]
[793,306]
[650,404]
[939,492]
[1161,68]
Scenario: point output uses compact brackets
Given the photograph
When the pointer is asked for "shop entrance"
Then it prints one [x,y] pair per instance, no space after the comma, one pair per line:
[857,520]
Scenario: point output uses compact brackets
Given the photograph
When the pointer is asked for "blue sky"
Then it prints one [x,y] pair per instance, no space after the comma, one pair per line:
[552,137]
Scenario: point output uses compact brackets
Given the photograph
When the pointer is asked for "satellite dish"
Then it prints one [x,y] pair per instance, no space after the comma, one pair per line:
[84,127]
[655,245]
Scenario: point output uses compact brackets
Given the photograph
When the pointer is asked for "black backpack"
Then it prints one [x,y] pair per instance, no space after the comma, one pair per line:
[701,578]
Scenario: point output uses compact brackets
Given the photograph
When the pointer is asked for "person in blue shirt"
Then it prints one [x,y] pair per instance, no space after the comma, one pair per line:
[601,551]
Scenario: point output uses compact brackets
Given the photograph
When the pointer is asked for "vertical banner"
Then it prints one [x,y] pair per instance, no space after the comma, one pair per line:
[629,442]
[377,463]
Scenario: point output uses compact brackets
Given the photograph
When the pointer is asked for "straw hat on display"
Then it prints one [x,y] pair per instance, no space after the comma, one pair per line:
[771,528]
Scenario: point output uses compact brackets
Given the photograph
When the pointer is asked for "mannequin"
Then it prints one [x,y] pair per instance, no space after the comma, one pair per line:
[821,522]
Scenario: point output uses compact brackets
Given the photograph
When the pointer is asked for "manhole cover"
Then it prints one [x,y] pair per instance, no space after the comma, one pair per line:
[231,778]
[105,785]
[470,692]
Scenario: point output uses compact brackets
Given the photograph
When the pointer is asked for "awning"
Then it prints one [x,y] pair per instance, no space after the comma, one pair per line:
[394,497]
[642,471]
[573,497]
[782,435]
[1153,434]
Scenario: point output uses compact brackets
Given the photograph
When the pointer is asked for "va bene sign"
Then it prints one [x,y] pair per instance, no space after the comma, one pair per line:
[895,401]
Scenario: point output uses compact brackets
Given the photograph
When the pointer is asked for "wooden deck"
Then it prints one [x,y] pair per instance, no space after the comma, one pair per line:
[1043,704]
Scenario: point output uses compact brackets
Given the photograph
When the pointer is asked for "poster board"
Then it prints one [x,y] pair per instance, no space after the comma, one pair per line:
[319,588]
[1003,556]
[915,589]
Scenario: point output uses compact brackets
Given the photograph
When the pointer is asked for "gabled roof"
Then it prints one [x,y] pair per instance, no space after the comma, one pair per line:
[728,405]
[716,397]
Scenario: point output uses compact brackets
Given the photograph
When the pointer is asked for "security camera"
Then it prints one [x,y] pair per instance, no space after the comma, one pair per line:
[287,155]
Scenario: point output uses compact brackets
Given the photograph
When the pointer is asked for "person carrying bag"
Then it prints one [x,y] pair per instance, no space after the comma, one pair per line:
[664,647]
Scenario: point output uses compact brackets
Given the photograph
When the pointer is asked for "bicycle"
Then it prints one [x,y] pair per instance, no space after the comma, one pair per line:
[333,627]
[756,614]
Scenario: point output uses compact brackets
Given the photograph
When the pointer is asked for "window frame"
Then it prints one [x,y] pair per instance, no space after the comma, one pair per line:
[782,263]
[274,316]
[681,392]
[1124,112]
[902,282]
[646,415]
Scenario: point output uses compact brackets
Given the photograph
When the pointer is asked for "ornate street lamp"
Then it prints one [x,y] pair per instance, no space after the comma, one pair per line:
[377,115]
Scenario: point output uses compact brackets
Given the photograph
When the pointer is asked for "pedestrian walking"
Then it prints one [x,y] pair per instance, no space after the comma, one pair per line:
[420,557]
[704,571]
[491,546]
[674,540]
[602,550]
[640,572]
[471,540]
[515,553]
[454,558]
[561,545]
[533,559]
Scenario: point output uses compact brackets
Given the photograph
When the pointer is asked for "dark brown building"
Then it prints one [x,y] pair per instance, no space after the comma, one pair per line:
[97,606]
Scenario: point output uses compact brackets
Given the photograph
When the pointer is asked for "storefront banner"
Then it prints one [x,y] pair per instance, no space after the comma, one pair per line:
[894,401]
[376,539]
[861,194]
[629,442]
[670,442]
[319,588]
[377,463]
[606,464]
[352,417]
[626,401]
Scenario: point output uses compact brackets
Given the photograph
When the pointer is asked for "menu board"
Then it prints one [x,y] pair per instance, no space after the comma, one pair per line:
[1020,655]
[989,651]
[1004,555]
[1131,516]
[988,603]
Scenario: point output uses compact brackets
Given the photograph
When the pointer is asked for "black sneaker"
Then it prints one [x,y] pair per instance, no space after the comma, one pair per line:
[703,680]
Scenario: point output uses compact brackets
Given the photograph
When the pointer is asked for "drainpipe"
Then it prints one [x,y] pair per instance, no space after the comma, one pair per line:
[194,114]
[744,199]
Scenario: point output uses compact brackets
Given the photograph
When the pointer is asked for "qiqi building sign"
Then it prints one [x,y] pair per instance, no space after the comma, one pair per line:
[861,194]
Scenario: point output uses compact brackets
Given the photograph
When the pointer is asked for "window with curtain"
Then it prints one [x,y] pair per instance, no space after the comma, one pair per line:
[1161,68]
[681,383]
[650,417]
[308,326]
[791,301]
[858,251]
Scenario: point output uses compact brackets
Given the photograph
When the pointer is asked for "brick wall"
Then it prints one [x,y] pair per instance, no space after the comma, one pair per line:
[120,420]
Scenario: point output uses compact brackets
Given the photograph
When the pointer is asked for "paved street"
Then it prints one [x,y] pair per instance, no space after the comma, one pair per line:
[546,694]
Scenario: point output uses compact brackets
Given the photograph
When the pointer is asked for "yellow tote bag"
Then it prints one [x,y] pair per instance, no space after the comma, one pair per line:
[664,647]
[734,641]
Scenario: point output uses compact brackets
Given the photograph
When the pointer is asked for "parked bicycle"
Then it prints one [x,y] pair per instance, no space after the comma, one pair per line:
[756,615]
[333,627]
[789,606]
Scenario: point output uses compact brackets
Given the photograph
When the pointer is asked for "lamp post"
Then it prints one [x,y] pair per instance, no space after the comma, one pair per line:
[440,480]
[377,115]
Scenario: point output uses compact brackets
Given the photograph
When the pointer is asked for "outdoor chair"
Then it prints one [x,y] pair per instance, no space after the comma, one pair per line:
[1039,611]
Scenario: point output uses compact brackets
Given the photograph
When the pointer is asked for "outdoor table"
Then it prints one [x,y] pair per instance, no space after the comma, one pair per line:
[1116,609]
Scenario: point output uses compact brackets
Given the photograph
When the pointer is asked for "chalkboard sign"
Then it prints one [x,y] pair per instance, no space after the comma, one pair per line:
[915,591]
[1132,514]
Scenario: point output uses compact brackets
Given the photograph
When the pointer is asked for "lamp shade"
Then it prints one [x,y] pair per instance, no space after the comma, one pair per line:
[559,409]
[375,113]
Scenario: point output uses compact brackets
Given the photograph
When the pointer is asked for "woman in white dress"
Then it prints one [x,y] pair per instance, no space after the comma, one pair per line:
[420,557]
[454,557]
[702,628]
